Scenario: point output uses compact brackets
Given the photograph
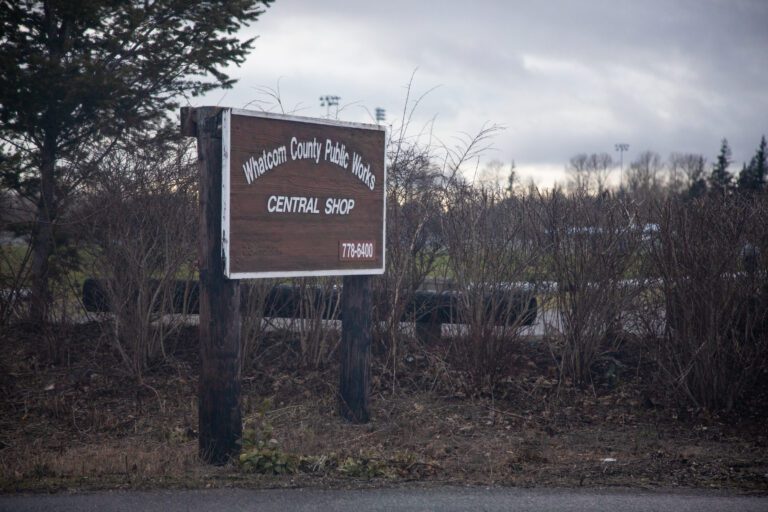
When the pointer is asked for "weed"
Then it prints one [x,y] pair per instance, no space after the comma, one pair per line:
[261,453]
[364,468]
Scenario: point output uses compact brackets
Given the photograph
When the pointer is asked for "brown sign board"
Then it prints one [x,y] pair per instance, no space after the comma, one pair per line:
[301,196]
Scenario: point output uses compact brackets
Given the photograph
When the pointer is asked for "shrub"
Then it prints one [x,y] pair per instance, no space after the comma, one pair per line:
[490,253]
[710,255]
[591,244]
[142,219]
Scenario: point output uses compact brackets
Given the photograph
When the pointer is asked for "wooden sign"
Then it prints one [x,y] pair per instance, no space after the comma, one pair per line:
[301,196]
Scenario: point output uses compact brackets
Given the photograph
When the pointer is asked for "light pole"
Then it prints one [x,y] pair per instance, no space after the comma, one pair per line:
[381,115]
[328,102]
[621,148]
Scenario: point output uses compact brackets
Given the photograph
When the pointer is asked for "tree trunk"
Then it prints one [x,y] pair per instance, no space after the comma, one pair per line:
[42,234]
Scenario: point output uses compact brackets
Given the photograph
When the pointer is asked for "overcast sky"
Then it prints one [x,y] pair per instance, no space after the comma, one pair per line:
[562,77]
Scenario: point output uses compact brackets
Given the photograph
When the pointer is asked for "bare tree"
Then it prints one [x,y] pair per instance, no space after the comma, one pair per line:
[589,173]
[495,174]
[601,165]
[644,176]
[685,171]
[578,174]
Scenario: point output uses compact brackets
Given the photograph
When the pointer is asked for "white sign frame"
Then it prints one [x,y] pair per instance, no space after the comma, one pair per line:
[226,123]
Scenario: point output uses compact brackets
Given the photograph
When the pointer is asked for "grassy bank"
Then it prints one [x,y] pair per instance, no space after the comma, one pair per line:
[74,421]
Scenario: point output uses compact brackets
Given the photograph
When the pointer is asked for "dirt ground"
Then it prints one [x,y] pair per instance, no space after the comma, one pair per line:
[71,419]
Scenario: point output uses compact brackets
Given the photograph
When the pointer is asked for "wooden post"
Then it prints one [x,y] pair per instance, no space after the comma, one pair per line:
[356,318]
[220,423]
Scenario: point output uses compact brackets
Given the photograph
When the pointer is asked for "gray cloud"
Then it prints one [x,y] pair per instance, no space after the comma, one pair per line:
[562,76]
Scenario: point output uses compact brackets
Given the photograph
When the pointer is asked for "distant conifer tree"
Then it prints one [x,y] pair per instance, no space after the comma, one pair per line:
[752,177]
[720,181]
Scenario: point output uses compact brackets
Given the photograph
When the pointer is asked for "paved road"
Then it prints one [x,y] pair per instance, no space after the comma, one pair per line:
[442,499]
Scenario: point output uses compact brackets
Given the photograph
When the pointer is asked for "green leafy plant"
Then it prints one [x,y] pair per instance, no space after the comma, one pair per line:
[363,468]
[261,452]
[268,459]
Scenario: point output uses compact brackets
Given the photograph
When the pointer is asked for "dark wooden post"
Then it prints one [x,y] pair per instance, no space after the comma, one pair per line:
[356,324]
[220,423]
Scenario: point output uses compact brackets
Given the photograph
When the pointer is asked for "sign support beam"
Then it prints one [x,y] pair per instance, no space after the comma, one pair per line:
[357,322]
[309,201]
[220,423]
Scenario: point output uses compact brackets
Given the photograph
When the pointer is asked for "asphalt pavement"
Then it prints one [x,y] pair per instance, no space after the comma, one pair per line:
[447,499]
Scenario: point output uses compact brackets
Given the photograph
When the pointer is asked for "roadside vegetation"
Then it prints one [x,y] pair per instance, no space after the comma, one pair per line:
[649,366]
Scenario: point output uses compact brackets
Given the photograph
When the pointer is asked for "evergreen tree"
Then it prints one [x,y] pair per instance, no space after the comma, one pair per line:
[745,180]
[720,180]
[698,183]
[760,162]
[512,179]
[752,177]
[76,75]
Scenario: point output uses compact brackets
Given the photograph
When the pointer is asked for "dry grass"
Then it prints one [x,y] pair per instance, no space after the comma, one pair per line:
[101,431]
